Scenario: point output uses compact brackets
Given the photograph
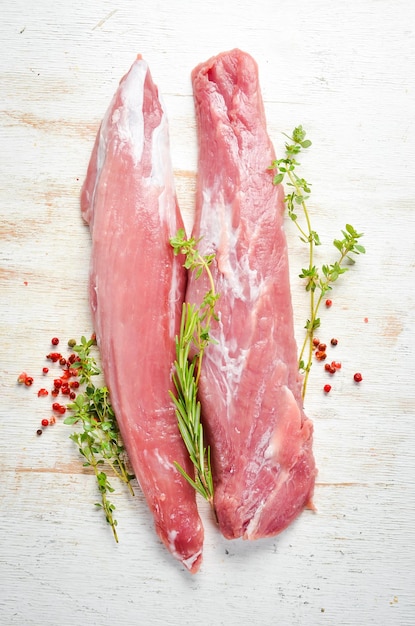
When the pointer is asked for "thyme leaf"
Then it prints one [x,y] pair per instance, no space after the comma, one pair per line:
[317,281]
[98,440]
[194,335]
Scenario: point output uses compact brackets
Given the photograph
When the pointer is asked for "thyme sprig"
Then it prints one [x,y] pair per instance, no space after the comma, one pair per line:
[99,440]
[194,335]
[318,281]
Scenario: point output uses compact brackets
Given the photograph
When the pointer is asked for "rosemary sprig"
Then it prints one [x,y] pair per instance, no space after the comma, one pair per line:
[99,440]
[194,334]
[316,279]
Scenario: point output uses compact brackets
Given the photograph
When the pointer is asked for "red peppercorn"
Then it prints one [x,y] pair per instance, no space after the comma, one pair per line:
[322,347]
[42,392]
[337,365]
[72,395]
[327,388]
[29,381]
[358,377]
[334,341]
[65,391]
[316,341]
[55,392]
[55,341]
[71,358]
[329,303]
[45,422]
[320,355]
[62,361]
[74,384]
[57,383]
[55,406]
[52,420]
[45,370]
[62,409]
[21,379]
[329,367]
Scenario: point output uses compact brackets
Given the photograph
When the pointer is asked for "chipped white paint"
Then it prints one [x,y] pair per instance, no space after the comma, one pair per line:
[343,70]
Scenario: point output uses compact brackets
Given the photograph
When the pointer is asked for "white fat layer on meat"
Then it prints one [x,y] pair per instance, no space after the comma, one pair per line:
[162,177]
[163,461]
[231,367]
[191,560]
[129,117]
[174,297]
[253,524]
[252,527]
[241,280]
[160,152]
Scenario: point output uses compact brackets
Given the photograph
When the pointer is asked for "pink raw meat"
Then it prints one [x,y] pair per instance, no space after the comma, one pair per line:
[136,291]
[250,388]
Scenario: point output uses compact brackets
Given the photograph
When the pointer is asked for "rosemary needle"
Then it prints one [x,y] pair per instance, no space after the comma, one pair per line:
[194,334]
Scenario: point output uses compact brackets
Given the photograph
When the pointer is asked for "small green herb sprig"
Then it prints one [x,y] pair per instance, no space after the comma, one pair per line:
[194,334]
[99,439]
[318,281]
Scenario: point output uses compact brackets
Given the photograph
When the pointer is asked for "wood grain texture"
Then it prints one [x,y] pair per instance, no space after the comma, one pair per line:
[345,71]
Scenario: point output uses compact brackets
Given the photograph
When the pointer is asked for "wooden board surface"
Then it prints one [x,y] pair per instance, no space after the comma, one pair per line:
[345,71]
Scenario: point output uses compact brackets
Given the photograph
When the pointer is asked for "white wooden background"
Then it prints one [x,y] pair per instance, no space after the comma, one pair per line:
[345,70]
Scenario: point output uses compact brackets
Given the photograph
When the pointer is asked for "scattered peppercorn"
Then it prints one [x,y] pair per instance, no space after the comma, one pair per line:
[21,379]
[29,381]
[321,355]
[45,422]
[45,370]
[322,347]
[55,341]
[39,432]
[71,343]
[62,361]
[358,377]
[329,367]
[327,388]
[334,341]
[42,392]
[329,303]
[316,341]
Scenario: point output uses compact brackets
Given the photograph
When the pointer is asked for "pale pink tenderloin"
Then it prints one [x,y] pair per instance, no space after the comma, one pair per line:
[250,388]
[137,288]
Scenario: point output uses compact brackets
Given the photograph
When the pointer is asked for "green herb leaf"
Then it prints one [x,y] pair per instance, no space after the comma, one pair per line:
[317,281]
[99,441]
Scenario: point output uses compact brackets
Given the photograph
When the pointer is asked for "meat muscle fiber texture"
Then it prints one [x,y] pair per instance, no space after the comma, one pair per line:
[250,388]
[137,287]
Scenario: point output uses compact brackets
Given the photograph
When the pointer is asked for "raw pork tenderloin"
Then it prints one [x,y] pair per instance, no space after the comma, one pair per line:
[136,291]
[250,387]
